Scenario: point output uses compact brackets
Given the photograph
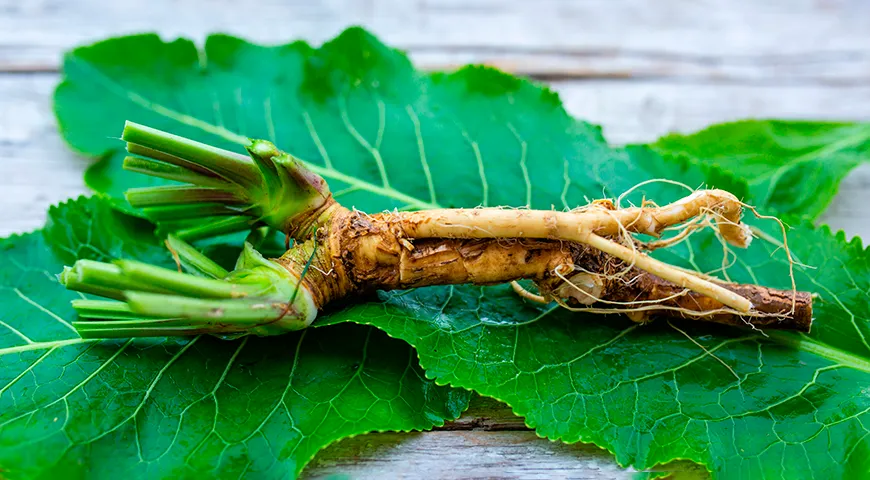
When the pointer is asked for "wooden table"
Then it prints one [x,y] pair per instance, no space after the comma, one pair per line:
[639,68]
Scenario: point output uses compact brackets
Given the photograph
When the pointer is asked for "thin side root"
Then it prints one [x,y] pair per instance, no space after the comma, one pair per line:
[667,272]
[708,352]
[522,292]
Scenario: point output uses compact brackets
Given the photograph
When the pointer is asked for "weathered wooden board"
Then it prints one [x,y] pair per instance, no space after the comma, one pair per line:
[36,167]
[782,41]
[488,441]
[639,68]
[463,455]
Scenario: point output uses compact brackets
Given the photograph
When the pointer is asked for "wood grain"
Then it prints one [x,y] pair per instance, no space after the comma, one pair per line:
[638,68]
[782,41]
[488,441]
[463,455]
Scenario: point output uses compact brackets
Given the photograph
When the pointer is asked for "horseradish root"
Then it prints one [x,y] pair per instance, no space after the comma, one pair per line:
[586,259]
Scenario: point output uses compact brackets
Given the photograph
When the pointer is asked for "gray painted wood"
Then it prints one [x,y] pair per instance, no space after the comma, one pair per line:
[463,455]
[488,441]
[639,68]
[787,41]
[473,455]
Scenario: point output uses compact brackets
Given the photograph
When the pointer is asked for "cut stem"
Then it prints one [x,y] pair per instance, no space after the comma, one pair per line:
[216,228]
[269,187]
[193,260]
[168,171]
[228,164]
[186,211]
[179,195]
[259,297]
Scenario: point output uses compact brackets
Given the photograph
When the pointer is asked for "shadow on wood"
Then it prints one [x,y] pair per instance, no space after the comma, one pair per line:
[488,441]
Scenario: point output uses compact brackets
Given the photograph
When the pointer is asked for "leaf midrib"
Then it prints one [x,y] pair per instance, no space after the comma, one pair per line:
[46,345]
[229,135]
[860,134]
[773,177]
[811,345]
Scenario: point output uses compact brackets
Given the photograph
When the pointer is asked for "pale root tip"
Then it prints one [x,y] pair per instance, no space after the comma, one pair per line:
[747,235]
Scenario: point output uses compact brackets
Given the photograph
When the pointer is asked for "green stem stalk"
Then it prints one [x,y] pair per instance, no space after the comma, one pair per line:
[259,297]
[228,164]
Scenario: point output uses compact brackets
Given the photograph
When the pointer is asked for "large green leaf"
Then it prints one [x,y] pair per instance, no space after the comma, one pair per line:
[250,408]
[387,136]
[384,135]
[780,158]
[790,405]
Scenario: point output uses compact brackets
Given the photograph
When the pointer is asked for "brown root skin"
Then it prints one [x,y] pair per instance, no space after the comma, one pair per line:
[647,296]
[353,253]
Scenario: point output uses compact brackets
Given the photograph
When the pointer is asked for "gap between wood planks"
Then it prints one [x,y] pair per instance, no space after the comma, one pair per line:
[836,68]
[486,414]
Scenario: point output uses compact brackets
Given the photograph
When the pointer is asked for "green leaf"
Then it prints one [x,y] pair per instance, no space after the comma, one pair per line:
[779,158]
[387,136]
[182,407]
[787,404]
[382,134]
